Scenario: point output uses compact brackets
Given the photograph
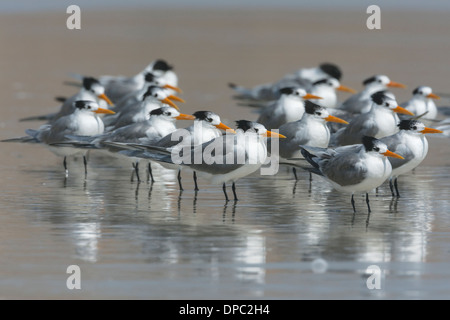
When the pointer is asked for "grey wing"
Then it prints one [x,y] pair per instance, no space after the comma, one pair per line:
[394,144]
[344,170]
[172,139]
[221,162]
[352,104]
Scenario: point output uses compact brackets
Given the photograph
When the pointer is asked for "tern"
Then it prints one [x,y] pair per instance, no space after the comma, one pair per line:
[310,130]
[410,142]
[326,88]
[289,107]
[91,90]
[207,126]
[381,121]
[84,121]
[356,168]
[422,104]
[226,158]
[361,102]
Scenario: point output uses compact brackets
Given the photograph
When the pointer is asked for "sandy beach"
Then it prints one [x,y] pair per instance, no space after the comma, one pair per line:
[45,225]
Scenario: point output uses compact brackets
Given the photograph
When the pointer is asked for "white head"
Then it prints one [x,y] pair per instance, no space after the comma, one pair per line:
[382,82]
[387,100]
[90,107]
[375,147]
[320,113]
[424,92]
[169,114]
[297,93]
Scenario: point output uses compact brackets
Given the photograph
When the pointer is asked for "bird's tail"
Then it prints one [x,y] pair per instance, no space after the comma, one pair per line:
[311,160]
[31,138]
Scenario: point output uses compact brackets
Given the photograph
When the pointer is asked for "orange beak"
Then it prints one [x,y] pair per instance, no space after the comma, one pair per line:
[168,86]
[172,97]
[170,103]
[105,97]
[272,134]
[430,130]
[224,127]
[309,96]
[401,110]
[185,117]
[392,155]
[396,85]
[433,96]
[106,111]
[331,118]
[346,89]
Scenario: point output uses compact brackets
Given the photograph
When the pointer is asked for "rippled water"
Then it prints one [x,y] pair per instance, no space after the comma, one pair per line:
[150,241]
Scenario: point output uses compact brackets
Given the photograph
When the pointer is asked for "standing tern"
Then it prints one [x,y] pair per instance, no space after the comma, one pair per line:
[381,121]
[361,102]
[84,121]
[207,126]
[310,130]
[422,104]
[229,157]
[356,168]
[289,107]
[410,142]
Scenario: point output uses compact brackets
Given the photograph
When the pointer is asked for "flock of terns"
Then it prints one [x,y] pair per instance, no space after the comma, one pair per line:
[356,145]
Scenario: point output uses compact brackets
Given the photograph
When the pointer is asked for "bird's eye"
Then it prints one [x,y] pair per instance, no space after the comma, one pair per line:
[319,113]
[155,95]
[420,92]
[256,130]
[379,81]
[296,93]
[209,119]
[169,114]
[386,104]
[414,128]
[376,149]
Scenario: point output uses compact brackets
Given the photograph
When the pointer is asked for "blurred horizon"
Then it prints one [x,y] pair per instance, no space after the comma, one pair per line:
[23,6]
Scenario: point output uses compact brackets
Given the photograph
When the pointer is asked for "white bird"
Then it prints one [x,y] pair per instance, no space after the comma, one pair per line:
[361,102]
[289,107]
[84,121]
[326,88]
[310,130]
[91,90]
[410,142]
[422,104]
[207,126]
[226,158]
[381,121]
[356,168]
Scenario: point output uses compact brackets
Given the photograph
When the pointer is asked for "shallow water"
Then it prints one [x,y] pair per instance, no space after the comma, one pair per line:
[149,241]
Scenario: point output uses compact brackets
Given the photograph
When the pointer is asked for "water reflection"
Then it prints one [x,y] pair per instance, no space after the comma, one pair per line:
[196,237]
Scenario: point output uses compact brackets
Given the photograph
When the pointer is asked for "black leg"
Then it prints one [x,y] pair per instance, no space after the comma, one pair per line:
[367,201]
[224,188]
[85,166]
[179,180]
[396,188]
[353,204]
[195,181]
[310,177]
[65,166]
[391,187]
[136,170]
[150,173]
[295,173]
[233,187]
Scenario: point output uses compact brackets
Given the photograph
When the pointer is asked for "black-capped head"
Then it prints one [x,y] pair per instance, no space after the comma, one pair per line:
[381,80]
[151,91]
[373,144]
[332,70]
[287,90]
[149,77]
[412,125]
[89,82]
[165,111]
[244,125]
[162,65]
[85,105]
[313,108]
[380,97]
[207,117]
